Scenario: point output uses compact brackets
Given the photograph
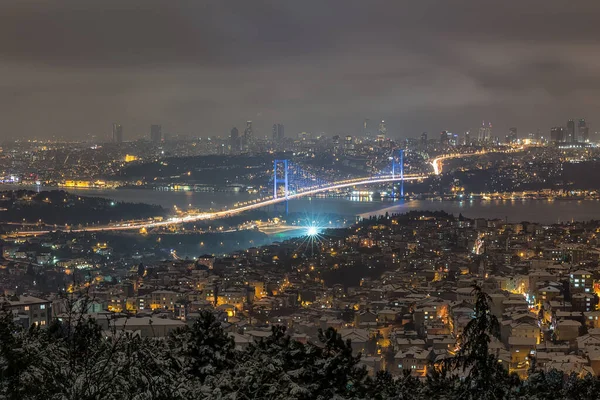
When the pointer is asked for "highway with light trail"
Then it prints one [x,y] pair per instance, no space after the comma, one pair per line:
[204,216]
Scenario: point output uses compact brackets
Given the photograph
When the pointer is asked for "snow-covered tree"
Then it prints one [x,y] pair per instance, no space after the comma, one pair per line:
[205,348]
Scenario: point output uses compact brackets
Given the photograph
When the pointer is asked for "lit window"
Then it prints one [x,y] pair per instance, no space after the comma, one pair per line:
[26,308]
[43,307]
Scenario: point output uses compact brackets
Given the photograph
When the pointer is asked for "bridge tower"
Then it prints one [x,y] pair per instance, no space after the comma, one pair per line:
[280,176]
[398,167]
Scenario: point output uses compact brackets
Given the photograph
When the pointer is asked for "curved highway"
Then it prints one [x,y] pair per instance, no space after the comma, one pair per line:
[436,164]
[236,210]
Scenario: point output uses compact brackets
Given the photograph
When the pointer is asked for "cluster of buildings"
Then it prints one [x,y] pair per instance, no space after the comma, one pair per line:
[399,287]
[574,132]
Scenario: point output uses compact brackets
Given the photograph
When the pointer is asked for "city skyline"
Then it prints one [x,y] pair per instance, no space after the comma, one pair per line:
[265,132]
[294,200]
[421,67]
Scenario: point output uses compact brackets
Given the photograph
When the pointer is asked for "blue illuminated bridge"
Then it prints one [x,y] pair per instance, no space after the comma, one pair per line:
[289,182]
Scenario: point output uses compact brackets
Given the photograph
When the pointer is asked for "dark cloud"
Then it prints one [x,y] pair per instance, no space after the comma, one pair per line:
[73,67]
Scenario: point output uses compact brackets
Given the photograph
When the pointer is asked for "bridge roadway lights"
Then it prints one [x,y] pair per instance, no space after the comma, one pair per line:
[233,211]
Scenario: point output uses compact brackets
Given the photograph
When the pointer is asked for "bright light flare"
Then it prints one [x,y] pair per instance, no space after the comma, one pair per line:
[312,231]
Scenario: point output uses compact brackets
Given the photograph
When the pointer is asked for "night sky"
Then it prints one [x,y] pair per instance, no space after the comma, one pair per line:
[71,68]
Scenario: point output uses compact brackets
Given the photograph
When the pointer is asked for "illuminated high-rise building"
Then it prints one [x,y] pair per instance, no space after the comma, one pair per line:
[248,135]
[485,132]
[382,129]
[155,133]
[570,132]
[512,135]
[583,131]
[452,139]
[348,143]
[558,134]
[367,128]
[336,144]
[117,133]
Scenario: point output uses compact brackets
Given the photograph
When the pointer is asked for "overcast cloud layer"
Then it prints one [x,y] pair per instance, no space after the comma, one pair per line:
[71,68]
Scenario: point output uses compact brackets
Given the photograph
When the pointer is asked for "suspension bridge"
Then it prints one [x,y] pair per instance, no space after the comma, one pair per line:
[289,182]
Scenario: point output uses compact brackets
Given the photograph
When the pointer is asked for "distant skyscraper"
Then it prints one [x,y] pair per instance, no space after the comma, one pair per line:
[234,140]
[248,135]
[336,144]
[512,135]
[485,132]
[367,128]
[467,138]
[156,133]
[452,139]
[117,133]
[382,129]
[278,132]
[348,143]
[558,134]
[583,131]
[444,137]
[570,132]
[424,140]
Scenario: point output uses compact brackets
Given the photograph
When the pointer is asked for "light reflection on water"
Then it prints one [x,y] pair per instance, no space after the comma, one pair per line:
[542,211]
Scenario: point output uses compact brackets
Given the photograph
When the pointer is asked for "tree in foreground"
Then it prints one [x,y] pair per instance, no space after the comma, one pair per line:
[278,367]
[484,375]
[74,359]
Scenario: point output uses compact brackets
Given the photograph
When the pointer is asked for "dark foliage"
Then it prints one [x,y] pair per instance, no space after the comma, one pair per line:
[74,359]
[59,207]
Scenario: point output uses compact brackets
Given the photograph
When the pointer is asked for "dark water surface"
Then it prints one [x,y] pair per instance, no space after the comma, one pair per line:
[542,211]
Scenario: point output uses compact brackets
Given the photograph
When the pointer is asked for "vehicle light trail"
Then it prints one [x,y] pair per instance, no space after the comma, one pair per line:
[233,211]
[436,164]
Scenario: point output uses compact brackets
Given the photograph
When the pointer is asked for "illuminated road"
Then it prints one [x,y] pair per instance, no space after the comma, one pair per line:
[277,229]
[436,164]
[237,210]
